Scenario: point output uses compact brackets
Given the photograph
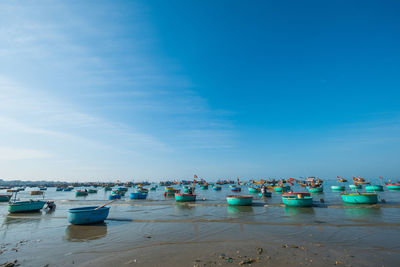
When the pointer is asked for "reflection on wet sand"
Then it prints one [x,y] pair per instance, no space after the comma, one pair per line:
[21,218]
[354,212]
[293,211]
[82,233]
[237,210]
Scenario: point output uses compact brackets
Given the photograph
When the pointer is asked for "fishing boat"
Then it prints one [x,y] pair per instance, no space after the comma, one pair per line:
[92,191]
[360,198]
[115,196]
[59,189]
[43,188]
[107,188]
[168,188]
[236,200]
[36,193]
[88,215]
[265,194]
[153,188]
[138,195]
[5,198]
[393,187]
[68,189]
[188,189]
[185,197]
[318,189]
[355,186]
[338,188]
[341,180]
[281,188]
[297,199]
[236,189]
[217,188]
[81,193]
[254,190]
[25,206]
[374,188]
[171,193]
[204,187]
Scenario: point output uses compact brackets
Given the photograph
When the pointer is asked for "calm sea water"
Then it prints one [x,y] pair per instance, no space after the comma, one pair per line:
[158,219]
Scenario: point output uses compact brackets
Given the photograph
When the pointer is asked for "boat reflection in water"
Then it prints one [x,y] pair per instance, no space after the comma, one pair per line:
[293,211]
[238,210]
[21,218]
[356,212]
[82,233]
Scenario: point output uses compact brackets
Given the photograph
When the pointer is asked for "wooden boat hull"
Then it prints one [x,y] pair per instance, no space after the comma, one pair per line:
[107,189]
[373,188]
[87,215]
[266,194]
[295,201]
[338,188]
[185,197]
[393,187]
[25,206]
[239,200]
[366,198]
[59,189]
[67,189]
[138,195]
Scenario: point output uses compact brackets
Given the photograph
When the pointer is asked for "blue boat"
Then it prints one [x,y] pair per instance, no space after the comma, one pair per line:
[138,195]
[112,197]
[25,206]
[87,215]
[216,188]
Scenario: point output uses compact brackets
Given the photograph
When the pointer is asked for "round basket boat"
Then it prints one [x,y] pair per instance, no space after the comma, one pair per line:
[361,198]
[236,200]
[280,189]
[216,188]
[338,188]
[393,187]
[185,197]
[297,199]
[373,188]
[316,189]
[266,194]
[87,215]
[254,190]
[236,189]
[138,195]
[354,187]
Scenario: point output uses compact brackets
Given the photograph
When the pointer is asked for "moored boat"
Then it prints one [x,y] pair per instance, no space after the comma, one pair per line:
[281,188]
[138,195]
[87,215]
[360,198]
[393,187]
[185,197]
[25,206]
[338,188]
[36,193]
[204,187]
[318,189]
[355,187]
[373,188]
[216,188]
[115,196]
[67,189]
[265,194]
[236,189]
[5,198]
[254,190]
[297,199]
[236,200]
[59,189]
[81,193]
[92,191]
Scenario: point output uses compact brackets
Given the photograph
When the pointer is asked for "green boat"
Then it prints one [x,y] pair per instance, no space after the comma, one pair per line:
[373,188]
[316,189]
[185,197]
[25,206]
[354,187]
[266,194]
[280,189]
[153,188]
[361,198]
[297,200]
[81,193]
[393,187]
[188,189]
[204,187]
[107,188]
[5,198]
[254,190]
[92,191]
[236,200]
[338,188]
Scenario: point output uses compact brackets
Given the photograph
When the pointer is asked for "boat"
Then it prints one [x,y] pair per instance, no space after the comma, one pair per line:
[188,189]
[360,198]
[338,188]
[254,190]
[88,215]
[204,187]
[81,193]
[92,191]
[43,188]
[393,187]
[281,188]
[153,188]
[355,186]
[5,198]
[107,188]
[318,189]
[36,193]
[67,189]
[216,188]
[265,194]
[341,180]
[25,206]
[171,193]
[168,188]
[138,195]
[297,199]
[115,192]
[236,200]
[59,189]
[112,197]
[374,188]
[236,189]
[185,197]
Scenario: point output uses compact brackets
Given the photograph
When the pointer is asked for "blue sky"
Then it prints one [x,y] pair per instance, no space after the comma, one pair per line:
[99,90]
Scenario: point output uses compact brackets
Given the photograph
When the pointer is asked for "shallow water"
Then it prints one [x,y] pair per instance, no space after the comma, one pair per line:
[160,221]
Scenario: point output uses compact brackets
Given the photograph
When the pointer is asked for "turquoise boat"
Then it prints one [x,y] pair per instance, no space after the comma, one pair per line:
[354,187]
[338,188]
[393,187]
[138,195]
[5,198]
[188,189]
[280,189]
[254,190]
[297,199]
[87,215]
[361,198]
[204,187]
[185,197]
[373,188]
[107,188]
[236,189]
[266,194]
[216,188]
[316,189]
[81,193]
[59,189]
[92,191]
[25,206]
[236,200]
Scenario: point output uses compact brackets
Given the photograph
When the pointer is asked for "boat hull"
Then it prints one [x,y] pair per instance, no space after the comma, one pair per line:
[81,194]
[217,188]
[393,187]
[373,188]
[316,190]
[25,206]
[239,200]
[253,190]
[354,187]
[280,189]
[112,197]
[293,201]
[138,195]
[5,198]
[185,197]
[360,198]
[338,188]
[87,215]
[266,194]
